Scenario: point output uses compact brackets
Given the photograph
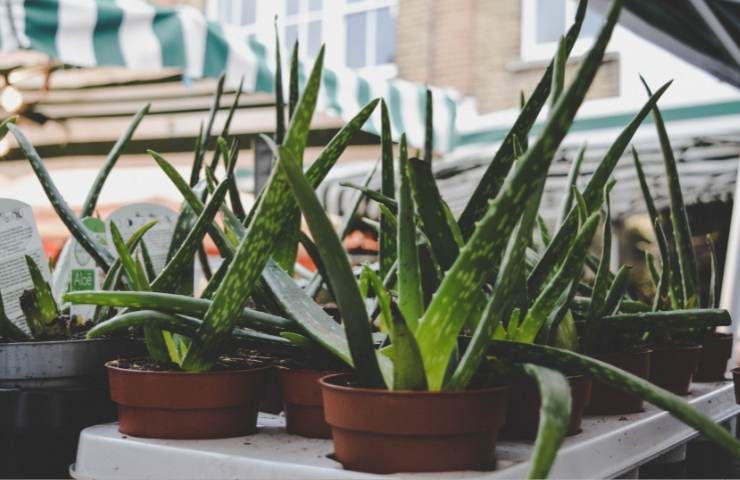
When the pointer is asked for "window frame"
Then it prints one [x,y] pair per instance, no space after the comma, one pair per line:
[531,49]
[381,70]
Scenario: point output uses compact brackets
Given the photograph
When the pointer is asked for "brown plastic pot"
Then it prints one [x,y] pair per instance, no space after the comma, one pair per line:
[523,415]
[382,431]
[672,367]
[160,404]
[606,400]
[303,403]
[716,351]
[736,381]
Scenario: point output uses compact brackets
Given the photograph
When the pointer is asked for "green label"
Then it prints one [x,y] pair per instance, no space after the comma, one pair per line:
[82,279]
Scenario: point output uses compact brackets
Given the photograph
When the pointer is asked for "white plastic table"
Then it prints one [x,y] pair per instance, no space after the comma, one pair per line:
[608,446]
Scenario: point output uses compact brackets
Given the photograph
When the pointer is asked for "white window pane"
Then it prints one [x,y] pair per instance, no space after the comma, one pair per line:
[591,24]
[249,12]
[224,11]
[385,39]
[315,5]
[356,36]
[314,38]
[550,20]
[292,7]
[291,35]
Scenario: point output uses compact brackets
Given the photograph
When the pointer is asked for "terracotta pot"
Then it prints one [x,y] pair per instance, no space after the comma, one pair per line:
[736,381]
[382,431]
[217,404]
[716,351]
[606,400]
[303,404]
[272,399]
[673,367]
[523,415]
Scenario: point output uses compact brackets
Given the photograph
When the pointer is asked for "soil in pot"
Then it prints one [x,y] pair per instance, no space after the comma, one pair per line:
[672,367]
[381,431]
[523,415]
[716,351]
[158,402]
[606,400]
[303,403]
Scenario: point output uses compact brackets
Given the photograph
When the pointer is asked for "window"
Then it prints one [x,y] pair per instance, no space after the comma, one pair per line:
[302,21]
[545,21]
[370,33]
[237,12]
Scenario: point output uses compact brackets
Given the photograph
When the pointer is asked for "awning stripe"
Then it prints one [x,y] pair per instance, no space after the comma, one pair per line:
[137,35]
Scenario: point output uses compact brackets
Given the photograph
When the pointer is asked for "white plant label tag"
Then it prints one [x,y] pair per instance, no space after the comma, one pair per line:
[130,218]
[19,236]
[76,270]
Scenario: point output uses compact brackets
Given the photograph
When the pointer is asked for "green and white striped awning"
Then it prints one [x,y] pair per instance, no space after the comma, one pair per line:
[137,35]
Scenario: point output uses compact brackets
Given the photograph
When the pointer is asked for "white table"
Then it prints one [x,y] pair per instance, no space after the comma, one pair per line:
[608,446]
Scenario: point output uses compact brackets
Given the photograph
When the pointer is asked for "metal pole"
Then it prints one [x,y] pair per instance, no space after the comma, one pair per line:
[729,299]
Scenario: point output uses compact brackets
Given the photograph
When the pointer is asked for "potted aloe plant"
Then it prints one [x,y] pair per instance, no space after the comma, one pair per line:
[423,368]
[52,379]
[678,352]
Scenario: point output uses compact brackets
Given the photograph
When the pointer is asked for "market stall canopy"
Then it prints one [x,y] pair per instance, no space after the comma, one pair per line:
[140,36]
[705,33]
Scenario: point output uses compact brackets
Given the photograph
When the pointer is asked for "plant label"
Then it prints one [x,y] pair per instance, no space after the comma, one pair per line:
[131,218]
[76,270]
[19,236]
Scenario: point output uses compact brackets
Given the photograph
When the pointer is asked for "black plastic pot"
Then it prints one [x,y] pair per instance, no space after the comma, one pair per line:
[49,392]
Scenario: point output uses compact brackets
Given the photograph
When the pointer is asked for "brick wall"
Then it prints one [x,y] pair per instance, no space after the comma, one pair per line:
[474,46]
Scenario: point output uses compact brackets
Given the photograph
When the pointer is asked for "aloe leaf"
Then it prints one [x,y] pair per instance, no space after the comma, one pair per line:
[286,247]
[544,232]
[387,238]
[558,73]
[617,290]
[41,310]
[347,294]
[243,272]
[222,243]
[601,283]
[500,305]
[408,368]
[679,215]
[313,252]
[155,340]
[493,178]
[236,202]
[171,275]
[177,304]
[4,125]
[279,96]
[374,195]
[561,282]
[91,201]
[650,205]
[301,309]
[293,81]
[573,173]
[664,285]
[652,269]
[612,376]
[592,194]
[429,128]
[75,226]
[344,229]
[220,152]
[410,295]
[179,324]
[205,133]
[432,212]
[147,262]
[715,280]
[438,329]
[674,319]
[555,406]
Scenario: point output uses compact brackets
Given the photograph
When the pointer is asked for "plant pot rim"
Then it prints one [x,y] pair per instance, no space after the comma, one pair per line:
[679,346]
[311,370]
[735,370]
[261,366]
[326,382]
[624,352]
